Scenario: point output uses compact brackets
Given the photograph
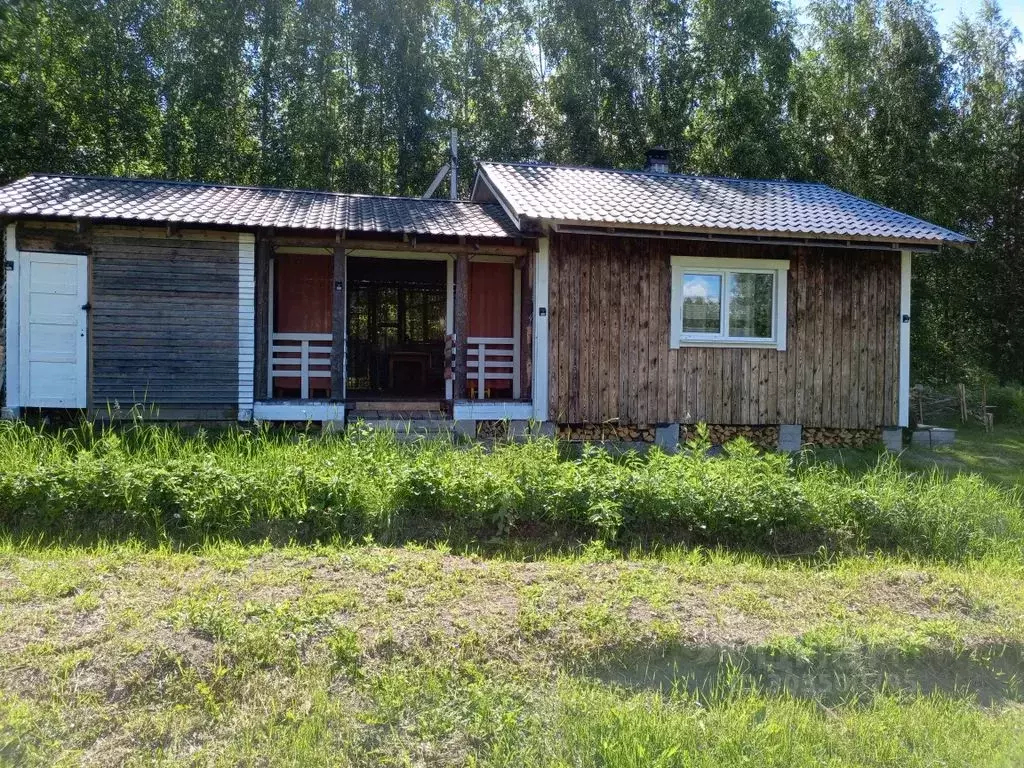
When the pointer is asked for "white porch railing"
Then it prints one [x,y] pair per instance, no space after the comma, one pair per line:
[302,356]
[490,359]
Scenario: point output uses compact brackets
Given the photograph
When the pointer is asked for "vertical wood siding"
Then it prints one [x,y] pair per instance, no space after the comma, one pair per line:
[164,320]
[609,345]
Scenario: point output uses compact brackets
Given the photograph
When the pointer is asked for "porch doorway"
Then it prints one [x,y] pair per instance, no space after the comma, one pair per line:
[396,328]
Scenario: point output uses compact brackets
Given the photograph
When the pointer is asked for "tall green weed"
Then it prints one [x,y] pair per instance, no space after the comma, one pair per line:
[159,482]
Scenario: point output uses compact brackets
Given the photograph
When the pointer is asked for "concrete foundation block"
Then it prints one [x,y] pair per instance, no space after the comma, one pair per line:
[930,437]
[245,415]
[544,429]
[465,428]
[790,437]
[518,429]
[892,438]
[666,437]
[9,414]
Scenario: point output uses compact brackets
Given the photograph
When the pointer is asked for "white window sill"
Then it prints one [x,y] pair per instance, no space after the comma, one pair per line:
[728,344]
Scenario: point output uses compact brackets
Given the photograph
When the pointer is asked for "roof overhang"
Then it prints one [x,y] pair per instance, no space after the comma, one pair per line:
[738,236]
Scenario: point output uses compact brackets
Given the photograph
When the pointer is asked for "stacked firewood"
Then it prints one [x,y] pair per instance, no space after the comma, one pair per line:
[841,438]
[634,433]
[720,434]
[492,430]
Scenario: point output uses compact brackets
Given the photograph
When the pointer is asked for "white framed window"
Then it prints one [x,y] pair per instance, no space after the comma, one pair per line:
[728,302]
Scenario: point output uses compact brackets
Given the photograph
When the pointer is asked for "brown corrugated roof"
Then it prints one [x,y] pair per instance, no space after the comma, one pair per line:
[174,202]
[599,197]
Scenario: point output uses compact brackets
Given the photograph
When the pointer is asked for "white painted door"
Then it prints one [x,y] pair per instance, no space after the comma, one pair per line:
[54,291]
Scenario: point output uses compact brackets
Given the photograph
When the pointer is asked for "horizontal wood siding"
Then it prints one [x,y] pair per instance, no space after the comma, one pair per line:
[609,344]
[164,322]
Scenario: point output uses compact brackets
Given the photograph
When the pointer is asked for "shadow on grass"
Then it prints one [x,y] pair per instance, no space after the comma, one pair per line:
[990,674]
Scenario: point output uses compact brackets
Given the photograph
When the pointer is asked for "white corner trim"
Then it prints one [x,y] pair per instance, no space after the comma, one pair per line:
[904,321]
[246,324]
[13,317]
[483,409]
[540,331]
[309,410]
[680,264]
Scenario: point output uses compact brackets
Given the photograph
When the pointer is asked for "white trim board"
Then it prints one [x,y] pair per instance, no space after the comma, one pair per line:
[540,331]
[298,411]
[904,320]
[12,401]
[246,324]
[477,410]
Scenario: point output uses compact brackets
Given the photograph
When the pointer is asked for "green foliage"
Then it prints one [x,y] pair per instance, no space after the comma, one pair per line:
[155,482]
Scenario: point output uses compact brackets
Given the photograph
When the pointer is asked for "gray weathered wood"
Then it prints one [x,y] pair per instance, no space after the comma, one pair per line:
[164,330]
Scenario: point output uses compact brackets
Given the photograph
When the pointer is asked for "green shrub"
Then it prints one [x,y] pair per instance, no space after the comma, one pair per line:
[158,482]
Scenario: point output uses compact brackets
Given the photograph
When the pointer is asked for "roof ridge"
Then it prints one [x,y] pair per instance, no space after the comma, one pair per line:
[215,185]
[656,174]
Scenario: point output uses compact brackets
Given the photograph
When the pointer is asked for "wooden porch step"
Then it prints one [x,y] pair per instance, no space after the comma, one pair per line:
[412,429]
[396,406]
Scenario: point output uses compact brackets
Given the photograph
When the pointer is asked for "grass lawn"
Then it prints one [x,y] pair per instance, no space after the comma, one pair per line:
[998,455]
[361,654]
[365,655]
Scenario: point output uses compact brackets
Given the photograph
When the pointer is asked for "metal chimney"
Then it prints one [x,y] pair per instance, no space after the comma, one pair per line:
[657,160]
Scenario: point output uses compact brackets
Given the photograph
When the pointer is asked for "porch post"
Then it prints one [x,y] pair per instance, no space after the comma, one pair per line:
[261,376]
[339,303]
[461,323]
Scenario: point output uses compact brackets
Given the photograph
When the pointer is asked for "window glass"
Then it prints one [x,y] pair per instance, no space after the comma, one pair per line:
[702,303]
[751,297]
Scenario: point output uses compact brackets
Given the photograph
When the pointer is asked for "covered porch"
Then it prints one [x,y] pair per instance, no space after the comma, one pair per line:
[348,328]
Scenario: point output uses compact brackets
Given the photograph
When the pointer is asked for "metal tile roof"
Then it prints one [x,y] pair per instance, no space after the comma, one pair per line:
[701,204]
[84,197]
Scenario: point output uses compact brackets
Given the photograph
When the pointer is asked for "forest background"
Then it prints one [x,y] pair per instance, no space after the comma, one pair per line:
[360,96]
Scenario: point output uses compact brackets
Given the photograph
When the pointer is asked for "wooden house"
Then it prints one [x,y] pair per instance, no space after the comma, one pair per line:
[555,295]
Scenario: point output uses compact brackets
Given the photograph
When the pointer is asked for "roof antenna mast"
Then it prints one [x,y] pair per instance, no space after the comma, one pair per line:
[454,163]
[452,166]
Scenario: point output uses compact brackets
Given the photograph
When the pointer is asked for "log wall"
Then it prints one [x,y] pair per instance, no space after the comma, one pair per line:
[609,354]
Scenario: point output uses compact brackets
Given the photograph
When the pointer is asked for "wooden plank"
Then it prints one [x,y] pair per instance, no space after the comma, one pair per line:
[461,324]
[818,350]
[763,363]
[865,342]
[657,340]
[262,320]
[874,349]
[800,373]
[612,284]
[585,344]
[564,322]
[625,305]
[833,327]
[601,259]
[892,312]
[339,304]
[526,327]
[573,264]
[643,327]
